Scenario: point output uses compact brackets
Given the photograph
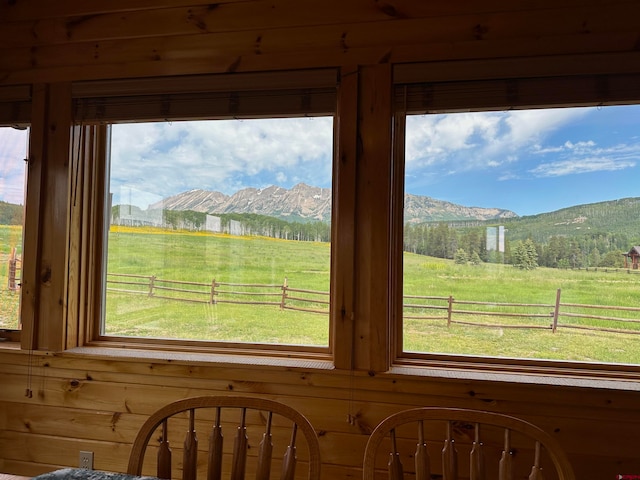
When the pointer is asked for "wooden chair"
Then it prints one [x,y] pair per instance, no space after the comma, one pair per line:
[270,426]
[463,444]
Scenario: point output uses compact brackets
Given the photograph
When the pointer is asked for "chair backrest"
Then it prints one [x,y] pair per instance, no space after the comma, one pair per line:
[271,427]
[462,444]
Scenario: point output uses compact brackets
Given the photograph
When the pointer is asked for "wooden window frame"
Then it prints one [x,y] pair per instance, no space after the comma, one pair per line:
[15,111]
[420,89]
[99,104]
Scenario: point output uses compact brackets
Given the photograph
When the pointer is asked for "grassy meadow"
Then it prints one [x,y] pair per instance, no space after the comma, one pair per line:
[506,284]
[203,257]
[10,237]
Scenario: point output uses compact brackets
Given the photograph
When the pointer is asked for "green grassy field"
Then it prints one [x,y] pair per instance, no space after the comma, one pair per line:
[10,237]
[203,257]
[506,284]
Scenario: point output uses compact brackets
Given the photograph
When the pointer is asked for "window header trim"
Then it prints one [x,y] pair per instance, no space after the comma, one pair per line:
[511,93]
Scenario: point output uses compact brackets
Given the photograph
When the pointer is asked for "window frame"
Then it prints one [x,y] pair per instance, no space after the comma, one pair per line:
[233,96]
[418,90]
[15,111]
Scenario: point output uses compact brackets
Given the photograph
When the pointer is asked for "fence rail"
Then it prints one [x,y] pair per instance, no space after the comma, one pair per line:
[535,316]
[554,314]
[216,292]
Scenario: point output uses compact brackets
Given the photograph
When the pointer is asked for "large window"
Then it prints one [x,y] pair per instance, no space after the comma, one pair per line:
[214,211]
[521,234]
[219,230]
[13,152]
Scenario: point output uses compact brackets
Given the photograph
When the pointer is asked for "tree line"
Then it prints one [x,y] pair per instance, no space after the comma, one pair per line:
[558,251]
[11,214]
[247,223]
[462,243]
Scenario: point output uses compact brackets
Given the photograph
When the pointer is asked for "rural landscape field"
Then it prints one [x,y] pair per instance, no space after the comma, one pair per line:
[202,258]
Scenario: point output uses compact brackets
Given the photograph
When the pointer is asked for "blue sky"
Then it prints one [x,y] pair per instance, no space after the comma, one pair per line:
[530,161]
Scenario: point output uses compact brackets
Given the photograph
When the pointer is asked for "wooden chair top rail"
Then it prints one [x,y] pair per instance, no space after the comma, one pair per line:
[386,429]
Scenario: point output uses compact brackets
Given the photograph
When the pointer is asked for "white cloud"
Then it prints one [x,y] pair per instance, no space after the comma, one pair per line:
[480,140]
[584,165]
[168,158]
[587,156]
[13,150]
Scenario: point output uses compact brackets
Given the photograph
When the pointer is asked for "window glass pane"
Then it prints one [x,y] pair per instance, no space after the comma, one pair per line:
[13,151]
[219,230]
[522,234]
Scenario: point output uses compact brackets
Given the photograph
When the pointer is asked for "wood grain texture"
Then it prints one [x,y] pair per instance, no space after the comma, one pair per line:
[96,402]
[100,404]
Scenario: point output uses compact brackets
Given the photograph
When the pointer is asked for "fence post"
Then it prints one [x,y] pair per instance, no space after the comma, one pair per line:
[152,281]
[284,294]
[212,299]
[449,310]
[12,270]
[556,312]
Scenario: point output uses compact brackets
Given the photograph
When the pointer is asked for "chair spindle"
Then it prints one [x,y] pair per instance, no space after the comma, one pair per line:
[536,470]
[290,457]
[214,471]
[449,456]
[394,465]
[477,457]
[190,458]
[506,461]
[164,454]
[240,449]
[423,463]
[265,450]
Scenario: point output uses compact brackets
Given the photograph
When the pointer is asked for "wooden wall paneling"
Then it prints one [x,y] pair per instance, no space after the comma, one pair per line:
[188,20]
[529,33]
[264,15]
[343,232]
[309,32]
[157,63]
[40,449]
[42,9]
[373,218]
[89,407]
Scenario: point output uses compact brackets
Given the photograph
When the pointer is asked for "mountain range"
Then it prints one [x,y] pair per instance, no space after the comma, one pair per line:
[307,203]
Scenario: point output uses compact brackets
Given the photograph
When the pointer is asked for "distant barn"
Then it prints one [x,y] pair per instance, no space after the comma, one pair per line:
[631,258]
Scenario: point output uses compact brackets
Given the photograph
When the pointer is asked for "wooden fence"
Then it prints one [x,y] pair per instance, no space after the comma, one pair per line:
[216,292]
[13,271]
[538,316]
[550,316]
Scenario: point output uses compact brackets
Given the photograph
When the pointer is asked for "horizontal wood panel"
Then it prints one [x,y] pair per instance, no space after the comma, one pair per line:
[262,16]
[13,11]
[144,58]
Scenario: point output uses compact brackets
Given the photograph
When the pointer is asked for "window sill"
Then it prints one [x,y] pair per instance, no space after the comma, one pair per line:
[550,376]
[9,345]
[191,358]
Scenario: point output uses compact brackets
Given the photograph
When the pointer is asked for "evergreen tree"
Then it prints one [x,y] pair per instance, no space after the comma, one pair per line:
[524,255]
[460,257]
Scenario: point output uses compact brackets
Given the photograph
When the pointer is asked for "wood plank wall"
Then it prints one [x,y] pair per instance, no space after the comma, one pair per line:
[97,404]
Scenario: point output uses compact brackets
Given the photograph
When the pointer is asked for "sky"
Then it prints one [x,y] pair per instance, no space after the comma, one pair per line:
[529,161]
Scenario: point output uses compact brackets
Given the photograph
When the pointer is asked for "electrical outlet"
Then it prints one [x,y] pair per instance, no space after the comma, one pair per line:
[86,460]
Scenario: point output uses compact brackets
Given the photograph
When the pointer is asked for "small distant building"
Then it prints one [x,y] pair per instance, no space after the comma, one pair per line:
[632,258]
